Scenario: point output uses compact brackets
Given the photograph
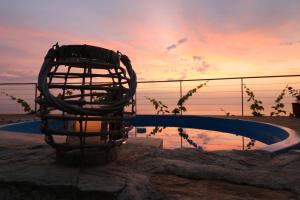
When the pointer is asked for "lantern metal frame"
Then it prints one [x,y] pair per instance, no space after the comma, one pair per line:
[80,84]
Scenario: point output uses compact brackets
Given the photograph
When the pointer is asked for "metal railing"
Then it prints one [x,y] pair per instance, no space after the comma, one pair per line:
[25,91]
[218,97]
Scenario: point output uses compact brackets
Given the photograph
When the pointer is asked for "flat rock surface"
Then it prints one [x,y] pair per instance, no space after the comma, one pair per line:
[145,171]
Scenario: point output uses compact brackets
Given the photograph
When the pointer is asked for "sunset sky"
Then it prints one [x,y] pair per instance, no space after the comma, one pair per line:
[166,39]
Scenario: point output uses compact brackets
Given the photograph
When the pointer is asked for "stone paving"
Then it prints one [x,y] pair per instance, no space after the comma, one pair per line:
[145,171]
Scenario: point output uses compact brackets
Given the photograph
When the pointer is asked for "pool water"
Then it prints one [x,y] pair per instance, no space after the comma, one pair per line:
[212,133]
[208,140]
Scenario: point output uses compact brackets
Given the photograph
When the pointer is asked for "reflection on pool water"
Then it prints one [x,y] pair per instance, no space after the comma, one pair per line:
[208,140]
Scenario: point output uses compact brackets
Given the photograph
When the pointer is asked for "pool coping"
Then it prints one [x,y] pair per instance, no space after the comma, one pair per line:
[292,141]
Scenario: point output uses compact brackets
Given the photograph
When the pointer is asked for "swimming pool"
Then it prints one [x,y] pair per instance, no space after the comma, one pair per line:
[276,138]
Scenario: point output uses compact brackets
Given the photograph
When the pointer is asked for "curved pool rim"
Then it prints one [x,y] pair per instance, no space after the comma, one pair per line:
[279,139]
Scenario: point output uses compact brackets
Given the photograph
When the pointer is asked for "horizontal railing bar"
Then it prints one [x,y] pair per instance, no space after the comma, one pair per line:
[17,83]
[87,87]
[184,80]
[225,78]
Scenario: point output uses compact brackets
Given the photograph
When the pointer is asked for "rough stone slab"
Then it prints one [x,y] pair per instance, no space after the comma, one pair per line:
[25,158]
[10,139]
[145,171]
[105,182]
[210,189]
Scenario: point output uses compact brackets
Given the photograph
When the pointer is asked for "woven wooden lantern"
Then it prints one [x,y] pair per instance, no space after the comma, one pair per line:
[86,95]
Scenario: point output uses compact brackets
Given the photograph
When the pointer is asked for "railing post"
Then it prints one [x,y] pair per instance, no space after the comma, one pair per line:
[180,84]
[35,96]
[135,102]
[242,96]
[180,95]
[242,102]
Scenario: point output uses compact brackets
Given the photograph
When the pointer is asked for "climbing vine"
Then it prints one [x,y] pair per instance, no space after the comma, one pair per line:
[257,105]
[295,93]
[157,129]
[26,107]
[185,136]
[161,108]
[279,106]
[251,144]
[226,113]
[180,104]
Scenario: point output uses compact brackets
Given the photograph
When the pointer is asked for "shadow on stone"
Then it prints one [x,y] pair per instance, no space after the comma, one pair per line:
[87,157]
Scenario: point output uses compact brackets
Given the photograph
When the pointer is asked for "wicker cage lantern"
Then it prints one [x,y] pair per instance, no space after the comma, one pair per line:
[86,95]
